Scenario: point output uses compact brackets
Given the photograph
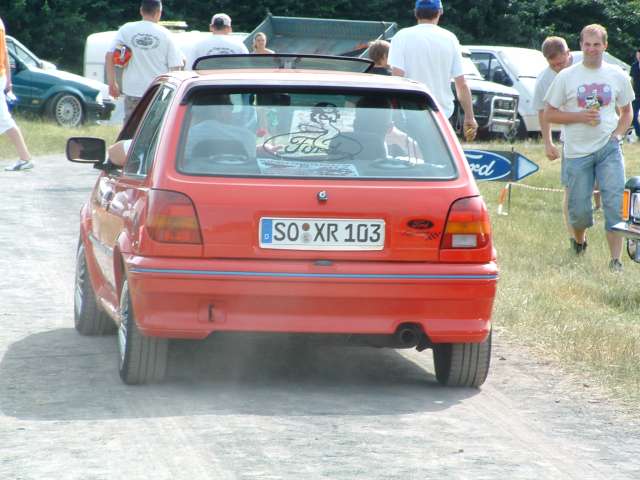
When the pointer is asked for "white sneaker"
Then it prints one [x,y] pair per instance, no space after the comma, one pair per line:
[20,165]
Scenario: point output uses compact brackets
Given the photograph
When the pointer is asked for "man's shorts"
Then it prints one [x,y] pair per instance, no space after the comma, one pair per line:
[6,121]
[563,170]
[606,166]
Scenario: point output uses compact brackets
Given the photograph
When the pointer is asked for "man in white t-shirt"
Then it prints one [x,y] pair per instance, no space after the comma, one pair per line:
[584,98]
[153,52]
[558,56]
[431,55]
[220,42]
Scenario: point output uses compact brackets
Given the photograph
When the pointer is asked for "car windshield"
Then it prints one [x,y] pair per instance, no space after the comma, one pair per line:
[524,62]
[469,68]
[283,133]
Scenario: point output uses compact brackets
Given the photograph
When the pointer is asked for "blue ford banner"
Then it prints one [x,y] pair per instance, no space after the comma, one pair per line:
[501,166]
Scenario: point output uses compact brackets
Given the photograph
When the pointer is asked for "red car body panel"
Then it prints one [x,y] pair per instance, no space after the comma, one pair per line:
[451,302]
[229,283]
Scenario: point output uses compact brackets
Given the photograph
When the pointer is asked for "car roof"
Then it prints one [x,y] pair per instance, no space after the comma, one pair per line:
[306,78]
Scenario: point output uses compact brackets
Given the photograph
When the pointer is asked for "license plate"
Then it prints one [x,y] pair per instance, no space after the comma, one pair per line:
[321,234]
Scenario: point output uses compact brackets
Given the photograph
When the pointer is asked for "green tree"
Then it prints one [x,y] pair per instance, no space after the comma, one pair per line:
[57,29]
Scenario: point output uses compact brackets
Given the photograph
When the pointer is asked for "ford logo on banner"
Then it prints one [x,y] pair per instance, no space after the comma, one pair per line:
[505,166]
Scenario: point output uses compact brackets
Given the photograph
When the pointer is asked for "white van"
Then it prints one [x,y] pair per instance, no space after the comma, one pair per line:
[97,45]
[518,68]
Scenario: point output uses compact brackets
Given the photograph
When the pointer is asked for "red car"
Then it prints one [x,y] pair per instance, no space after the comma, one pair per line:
[286,194]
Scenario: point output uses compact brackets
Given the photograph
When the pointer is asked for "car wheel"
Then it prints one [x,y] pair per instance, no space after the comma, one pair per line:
[462,364]
[632,249]
[66,109]
[89,318]
[142,359]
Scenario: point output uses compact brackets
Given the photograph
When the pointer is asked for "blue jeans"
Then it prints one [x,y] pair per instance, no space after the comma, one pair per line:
[607,167]
[635,105]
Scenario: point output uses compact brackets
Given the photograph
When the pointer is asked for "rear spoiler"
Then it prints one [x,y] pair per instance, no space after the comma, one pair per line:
[290,61]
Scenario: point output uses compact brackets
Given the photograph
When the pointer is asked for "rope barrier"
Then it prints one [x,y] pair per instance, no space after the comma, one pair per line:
[505,193]
[539,189]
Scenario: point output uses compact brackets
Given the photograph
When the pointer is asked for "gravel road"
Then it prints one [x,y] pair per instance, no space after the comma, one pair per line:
[261,407]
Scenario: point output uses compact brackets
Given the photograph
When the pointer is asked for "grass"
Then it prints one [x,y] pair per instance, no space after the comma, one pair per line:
[569,309]
[44,138]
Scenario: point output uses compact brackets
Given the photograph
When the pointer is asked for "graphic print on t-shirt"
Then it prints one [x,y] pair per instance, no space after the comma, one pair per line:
[220,51]
[145,41]
[601,91]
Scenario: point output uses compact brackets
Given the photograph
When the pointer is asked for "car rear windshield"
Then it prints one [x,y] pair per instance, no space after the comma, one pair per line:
[298,134]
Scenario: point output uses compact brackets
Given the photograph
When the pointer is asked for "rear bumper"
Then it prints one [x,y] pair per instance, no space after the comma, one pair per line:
[627,230]
[193,298]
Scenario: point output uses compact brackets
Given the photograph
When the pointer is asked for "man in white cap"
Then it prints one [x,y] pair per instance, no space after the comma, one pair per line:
[220,42]
[431,55]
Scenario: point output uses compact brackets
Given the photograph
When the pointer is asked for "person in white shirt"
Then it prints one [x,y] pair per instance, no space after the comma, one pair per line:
[586,98]
[220,42]
[431,55]
[558,56]
[153,52]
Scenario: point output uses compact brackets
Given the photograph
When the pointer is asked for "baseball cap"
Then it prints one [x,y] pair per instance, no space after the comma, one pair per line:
[430,4]
[221,20]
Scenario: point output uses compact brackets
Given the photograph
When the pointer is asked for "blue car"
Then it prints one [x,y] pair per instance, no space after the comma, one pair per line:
[68,99]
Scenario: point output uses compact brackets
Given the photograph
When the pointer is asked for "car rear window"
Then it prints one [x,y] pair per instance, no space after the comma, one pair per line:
[298,134]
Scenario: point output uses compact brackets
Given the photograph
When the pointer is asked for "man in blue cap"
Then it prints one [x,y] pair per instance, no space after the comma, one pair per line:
[431,55]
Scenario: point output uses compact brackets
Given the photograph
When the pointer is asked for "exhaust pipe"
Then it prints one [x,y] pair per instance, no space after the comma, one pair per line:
[407,336]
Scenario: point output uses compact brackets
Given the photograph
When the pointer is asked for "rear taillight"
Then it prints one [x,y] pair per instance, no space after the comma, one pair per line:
[626,197]
[468,225]
[171,218]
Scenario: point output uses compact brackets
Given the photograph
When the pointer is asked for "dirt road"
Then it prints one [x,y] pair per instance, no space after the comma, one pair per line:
[243,407]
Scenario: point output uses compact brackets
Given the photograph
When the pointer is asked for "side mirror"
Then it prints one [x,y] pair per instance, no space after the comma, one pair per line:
[44,65]
[86,150]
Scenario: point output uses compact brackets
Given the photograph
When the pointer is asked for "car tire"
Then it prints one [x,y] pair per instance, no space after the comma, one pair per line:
[66,109]
[89,318]
[462,364]
[142,359]
[633,249]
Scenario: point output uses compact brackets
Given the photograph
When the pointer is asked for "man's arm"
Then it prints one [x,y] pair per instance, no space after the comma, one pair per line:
[398,72]
[550,149]
[554,115]
[626,115]
[464,97]
[114,90]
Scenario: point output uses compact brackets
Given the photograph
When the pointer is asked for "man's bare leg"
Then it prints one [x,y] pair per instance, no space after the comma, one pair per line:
[17,139]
